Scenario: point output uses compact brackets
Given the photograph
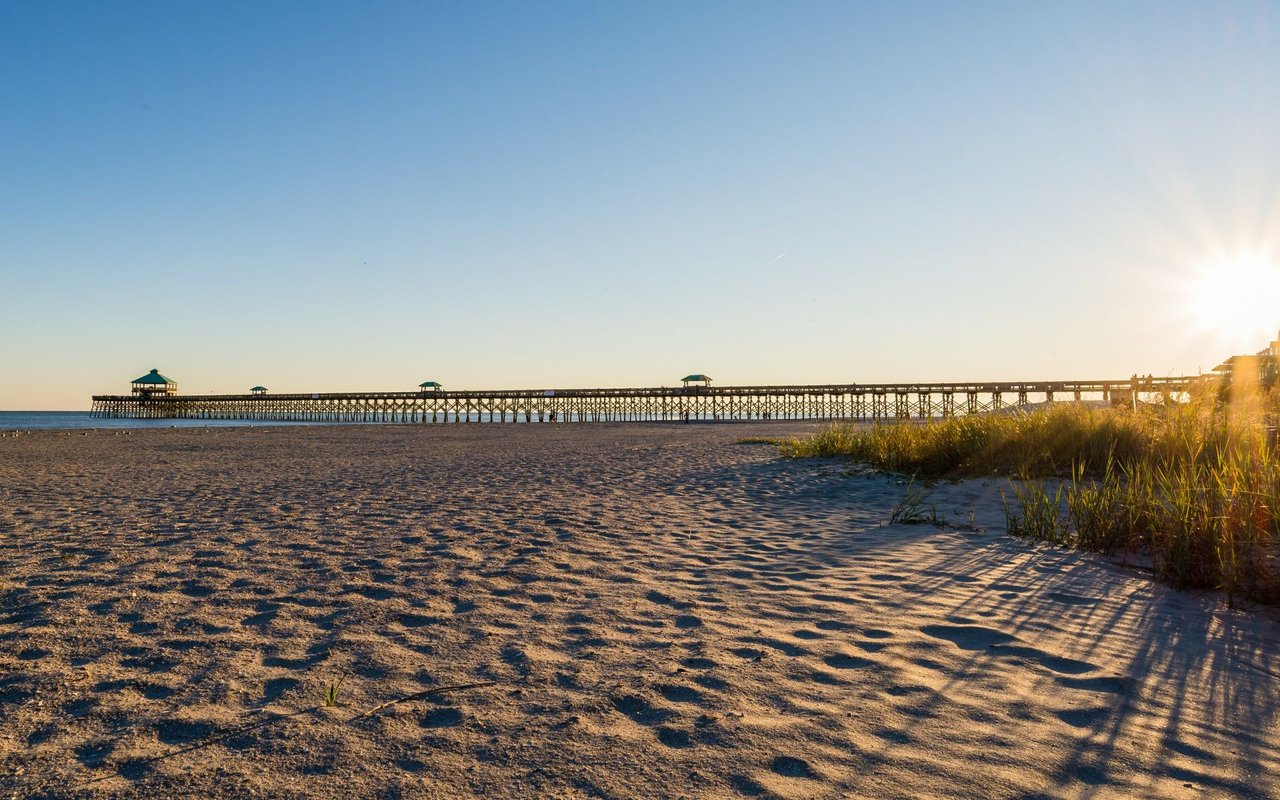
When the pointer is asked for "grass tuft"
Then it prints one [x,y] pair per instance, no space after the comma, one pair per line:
[331,692]
[1195,486]
[914,508]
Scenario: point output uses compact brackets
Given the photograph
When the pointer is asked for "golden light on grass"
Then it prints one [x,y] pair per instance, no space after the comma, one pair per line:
[1235,297]
[1194,486]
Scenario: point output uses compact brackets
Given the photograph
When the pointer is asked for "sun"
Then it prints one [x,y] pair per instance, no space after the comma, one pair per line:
[1238,298]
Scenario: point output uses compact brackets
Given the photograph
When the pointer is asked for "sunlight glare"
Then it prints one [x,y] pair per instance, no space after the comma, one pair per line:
[1238,298]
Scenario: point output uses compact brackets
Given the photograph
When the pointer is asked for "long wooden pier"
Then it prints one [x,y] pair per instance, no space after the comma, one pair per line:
[851,402]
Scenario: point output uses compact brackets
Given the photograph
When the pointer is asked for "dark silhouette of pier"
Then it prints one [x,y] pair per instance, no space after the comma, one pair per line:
[432,404]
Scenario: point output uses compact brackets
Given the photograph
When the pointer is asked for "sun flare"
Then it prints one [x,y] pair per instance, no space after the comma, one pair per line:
[1238,297]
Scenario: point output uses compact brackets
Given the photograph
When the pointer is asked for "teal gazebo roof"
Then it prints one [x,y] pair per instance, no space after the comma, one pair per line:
[690,378]
[429,385]
[154,378]
[258,389]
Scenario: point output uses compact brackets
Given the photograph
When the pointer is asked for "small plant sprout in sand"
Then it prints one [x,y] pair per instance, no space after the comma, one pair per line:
[331,693]
[913,508]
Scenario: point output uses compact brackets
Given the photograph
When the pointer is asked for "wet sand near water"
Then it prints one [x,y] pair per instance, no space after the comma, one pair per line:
[661,612]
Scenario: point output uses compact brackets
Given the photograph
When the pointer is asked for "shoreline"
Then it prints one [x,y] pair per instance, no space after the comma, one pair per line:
[128,424]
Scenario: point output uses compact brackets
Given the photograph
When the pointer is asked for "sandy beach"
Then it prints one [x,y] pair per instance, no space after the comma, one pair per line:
[661,612]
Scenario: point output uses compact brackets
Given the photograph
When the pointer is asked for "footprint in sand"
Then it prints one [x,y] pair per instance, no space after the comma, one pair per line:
[1008,587]
[1111,684]
[654,596]
[94,753]
[374,592]
[938,573]
[711,682]
[680,694]
[893,736]
[177,732]
[786,648]
[273,689]
[967,637]
[445,717]
[833,625]
[1083,717]
[746,786]
[687,621]
[262,618]
[641,710]
[826,678]
[1073,599]
[1190,750]
[81,707]
[1069,666]
[845,661]
[749,653]
[156,691]
[791,767]
[418,620]
[834,598]
[674,737]
[566,681]
[905,690]
[998,643]
[41,735]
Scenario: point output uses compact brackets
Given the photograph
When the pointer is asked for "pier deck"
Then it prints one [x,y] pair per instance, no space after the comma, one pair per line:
[852,402]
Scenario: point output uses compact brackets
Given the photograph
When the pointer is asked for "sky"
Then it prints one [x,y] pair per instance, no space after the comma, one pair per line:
[333,196]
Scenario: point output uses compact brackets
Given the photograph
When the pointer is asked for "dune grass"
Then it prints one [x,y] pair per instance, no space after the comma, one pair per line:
[1195,486]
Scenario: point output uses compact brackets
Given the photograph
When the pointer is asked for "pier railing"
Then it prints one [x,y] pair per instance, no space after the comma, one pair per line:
[852,402]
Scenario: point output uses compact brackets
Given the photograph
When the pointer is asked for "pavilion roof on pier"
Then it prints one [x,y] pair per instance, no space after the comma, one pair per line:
[154,378]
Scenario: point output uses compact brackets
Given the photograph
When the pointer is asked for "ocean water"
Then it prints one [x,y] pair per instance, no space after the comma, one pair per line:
[80,420]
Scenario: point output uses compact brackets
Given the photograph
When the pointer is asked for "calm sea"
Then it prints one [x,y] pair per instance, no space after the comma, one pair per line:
[80,420]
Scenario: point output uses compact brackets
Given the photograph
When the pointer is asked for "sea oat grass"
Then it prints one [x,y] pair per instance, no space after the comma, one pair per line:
[1195,486]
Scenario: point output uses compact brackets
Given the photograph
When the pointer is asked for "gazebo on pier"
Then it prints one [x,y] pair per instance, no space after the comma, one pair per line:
[258,390]
[153,383]
[1244,371]
[696,379]
[429,386]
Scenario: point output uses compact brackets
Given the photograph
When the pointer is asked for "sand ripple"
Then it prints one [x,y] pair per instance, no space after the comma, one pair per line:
[664,613]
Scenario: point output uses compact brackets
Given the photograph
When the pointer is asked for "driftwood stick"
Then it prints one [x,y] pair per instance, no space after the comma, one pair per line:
[419,696]
[214,738]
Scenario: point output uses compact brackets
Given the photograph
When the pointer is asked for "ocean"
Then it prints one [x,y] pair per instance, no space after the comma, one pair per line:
[80,420]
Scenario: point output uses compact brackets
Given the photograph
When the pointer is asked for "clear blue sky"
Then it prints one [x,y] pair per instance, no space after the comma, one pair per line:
[343,196]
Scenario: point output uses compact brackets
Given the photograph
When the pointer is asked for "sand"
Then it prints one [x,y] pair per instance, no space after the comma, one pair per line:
[663,612]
